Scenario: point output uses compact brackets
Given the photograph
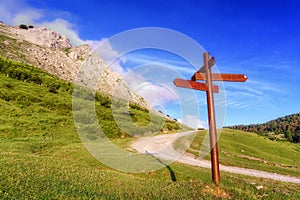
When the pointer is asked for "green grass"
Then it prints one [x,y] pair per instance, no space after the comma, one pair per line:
[248,150]
[9,44]
[42,103]
[42,157]
[70,172]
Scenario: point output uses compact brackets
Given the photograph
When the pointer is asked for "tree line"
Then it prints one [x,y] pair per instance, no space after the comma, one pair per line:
[282,128]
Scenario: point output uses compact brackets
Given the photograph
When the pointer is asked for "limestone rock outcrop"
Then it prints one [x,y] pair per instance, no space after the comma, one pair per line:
[55,54]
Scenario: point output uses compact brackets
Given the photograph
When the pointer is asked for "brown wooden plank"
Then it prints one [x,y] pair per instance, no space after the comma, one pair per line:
[194,85]
[214,157]
[222,77]
[211,63]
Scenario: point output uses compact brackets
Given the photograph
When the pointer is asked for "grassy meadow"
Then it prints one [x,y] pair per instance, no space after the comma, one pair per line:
[42,157]
[249,150]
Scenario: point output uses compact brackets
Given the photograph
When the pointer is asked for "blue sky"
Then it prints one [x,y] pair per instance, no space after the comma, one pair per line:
[258,38]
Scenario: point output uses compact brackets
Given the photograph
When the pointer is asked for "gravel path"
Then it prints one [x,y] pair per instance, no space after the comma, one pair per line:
[161,147]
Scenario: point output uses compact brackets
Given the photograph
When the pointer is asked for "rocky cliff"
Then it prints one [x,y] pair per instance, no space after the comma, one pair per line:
[55,54]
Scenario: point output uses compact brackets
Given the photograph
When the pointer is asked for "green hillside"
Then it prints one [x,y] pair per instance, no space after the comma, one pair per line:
[249,150]
[42,104]
[282,128]
[42,157]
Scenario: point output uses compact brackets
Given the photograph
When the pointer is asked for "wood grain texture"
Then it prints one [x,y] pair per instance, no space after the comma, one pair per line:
[222,77]
[194,85]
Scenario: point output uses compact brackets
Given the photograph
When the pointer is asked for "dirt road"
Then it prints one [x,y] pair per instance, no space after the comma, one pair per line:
[161,147]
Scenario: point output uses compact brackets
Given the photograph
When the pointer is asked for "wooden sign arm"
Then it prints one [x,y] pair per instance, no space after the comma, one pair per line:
[221,77]
[211,63]
[194,85]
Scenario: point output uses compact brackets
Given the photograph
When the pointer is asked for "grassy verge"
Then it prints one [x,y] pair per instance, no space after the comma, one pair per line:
[248,150]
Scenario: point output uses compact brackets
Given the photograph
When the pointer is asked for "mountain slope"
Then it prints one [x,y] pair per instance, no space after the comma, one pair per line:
[54,54]
[282,128]
[37,104]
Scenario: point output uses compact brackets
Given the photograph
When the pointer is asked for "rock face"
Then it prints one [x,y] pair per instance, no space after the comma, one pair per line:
[55,54]
[42,37]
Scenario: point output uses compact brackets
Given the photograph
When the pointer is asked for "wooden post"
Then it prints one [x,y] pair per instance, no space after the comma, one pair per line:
[212,123]
[204,74]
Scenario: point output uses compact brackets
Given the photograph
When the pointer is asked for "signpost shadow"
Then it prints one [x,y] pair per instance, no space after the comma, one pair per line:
[172,173]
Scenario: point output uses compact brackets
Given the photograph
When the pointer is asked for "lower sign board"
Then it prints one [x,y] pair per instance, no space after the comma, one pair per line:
[194,85]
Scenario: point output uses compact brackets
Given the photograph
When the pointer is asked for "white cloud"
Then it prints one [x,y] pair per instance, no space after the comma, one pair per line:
[111,56]
[27,16]
[93,43]
[65,28]
[237,104]
[8,9]
[193,121]
[156,94]
[18,12]
[203,124]
[135,80]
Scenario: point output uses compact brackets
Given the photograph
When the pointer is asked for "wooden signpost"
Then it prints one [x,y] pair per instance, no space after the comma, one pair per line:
[204,73]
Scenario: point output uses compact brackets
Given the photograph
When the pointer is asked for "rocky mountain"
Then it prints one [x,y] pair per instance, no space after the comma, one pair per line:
[55,54]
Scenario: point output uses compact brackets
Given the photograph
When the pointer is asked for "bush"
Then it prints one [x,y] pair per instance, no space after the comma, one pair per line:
[52,89]
[137,107]
[296,138]
[103,100]
[6,96]
[8,85]
[30,26]
[23,26]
